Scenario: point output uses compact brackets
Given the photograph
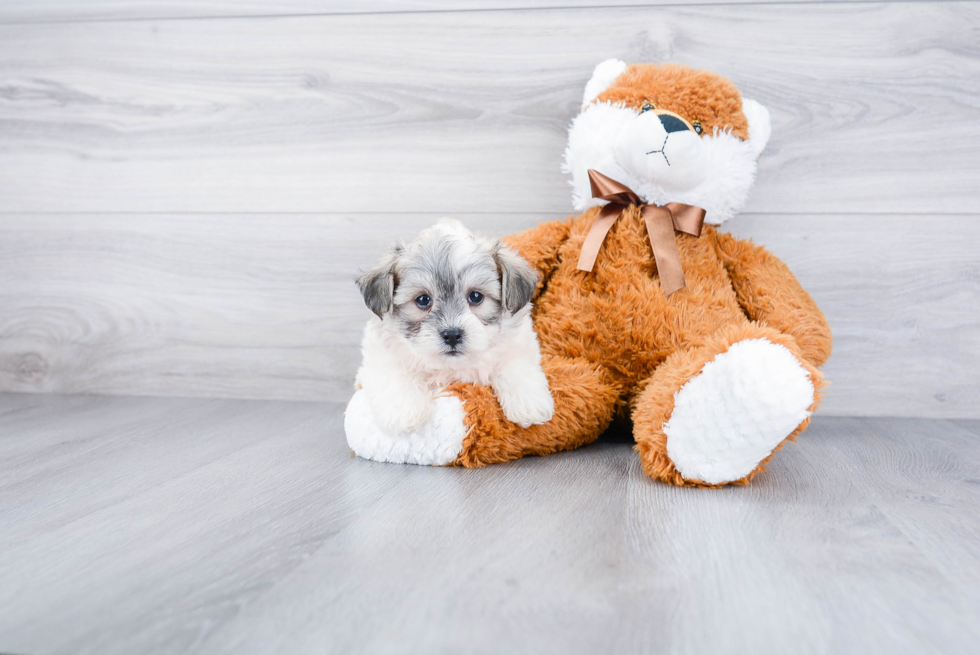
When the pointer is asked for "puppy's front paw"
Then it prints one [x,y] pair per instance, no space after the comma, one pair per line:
[528,404]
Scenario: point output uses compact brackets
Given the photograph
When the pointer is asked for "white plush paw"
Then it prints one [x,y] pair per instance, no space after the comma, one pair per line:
[438,441]
[733,414]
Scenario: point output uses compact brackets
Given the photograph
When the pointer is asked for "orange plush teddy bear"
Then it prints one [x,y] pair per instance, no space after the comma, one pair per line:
[644,311]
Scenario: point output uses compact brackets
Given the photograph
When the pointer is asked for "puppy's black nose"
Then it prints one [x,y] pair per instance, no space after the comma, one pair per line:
[452,336]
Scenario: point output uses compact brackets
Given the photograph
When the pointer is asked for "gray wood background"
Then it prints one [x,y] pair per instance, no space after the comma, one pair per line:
[187,189]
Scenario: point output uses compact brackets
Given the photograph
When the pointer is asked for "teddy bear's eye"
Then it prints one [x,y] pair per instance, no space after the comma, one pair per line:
[697,127]
[647,107]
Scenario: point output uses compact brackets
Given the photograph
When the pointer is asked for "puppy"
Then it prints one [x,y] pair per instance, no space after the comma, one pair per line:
[451,307]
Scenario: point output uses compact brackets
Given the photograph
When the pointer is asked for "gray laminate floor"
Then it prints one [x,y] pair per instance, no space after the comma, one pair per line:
[149,525]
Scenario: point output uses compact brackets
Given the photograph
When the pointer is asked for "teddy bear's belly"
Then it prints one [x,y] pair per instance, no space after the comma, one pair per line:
[617,315]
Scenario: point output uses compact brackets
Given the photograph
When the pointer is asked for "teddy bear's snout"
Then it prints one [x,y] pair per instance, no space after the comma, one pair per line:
[679,149]
[662,149]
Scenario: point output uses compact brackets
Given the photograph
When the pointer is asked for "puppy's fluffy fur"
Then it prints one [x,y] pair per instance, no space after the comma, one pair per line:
[451,307]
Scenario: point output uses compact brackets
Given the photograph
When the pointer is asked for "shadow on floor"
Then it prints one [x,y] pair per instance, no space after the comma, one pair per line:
[621,431]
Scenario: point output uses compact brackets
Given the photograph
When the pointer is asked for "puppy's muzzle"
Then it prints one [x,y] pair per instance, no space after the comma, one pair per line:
[452,336]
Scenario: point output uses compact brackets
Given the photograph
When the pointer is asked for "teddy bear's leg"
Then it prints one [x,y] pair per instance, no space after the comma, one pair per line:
[714,414]
[585,401]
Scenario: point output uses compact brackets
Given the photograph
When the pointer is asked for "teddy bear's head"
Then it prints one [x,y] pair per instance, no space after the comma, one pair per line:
[670,133]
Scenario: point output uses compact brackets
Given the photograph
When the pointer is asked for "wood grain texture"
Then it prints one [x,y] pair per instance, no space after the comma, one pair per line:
[281,470]
[185,202]
[876,107]
[265,306]
[43,11]
[228,306]
[860,538]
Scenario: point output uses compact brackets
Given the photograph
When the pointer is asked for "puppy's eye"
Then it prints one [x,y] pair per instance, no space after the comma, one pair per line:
[475,297]
[423,301]
[647,107]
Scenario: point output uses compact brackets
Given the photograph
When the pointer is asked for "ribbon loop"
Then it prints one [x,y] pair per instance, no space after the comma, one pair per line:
[661,222]
[606,188]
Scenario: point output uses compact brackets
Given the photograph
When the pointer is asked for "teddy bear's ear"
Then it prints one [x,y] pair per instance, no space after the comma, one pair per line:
[603,75]
[760,126]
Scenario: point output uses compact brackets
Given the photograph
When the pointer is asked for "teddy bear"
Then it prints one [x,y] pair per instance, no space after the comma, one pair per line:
[645,312]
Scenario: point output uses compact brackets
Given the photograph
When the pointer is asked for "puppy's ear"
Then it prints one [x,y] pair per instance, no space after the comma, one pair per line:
[378,285]
[517,279]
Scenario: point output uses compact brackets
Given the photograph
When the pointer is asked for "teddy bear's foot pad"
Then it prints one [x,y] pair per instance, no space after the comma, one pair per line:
[437,442]
[733,414]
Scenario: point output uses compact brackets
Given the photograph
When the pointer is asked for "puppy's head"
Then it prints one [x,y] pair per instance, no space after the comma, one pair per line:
[448,294]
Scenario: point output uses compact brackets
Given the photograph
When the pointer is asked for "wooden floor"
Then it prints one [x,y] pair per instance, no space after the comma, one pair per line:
[149,525]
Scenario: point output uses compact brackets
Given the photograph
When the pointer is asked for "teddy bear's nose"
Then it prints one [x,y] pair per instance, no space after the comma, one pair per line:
[673,124]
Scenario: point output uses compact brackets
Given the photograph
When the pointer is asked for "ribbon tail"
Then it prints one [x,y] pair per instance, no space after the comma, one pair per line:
[660,230]
[597,234]
[687,218]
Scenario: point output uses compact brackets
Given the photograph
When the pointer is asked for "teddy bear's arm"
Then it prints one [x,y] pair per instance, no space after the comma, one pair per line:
[770,294]
[539,246]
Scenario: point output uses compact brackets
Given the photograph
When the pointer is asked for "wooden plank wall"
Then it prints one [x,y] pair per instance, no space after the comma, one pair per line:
[187,189]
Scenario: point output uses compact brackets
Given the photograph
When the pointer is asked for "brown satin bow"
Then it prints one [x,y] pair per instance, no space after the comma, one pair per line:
[661,223]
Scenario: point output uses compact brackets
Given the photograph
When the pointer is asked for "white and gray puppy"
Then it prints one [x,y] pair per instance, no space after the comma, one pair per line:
[453,307]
